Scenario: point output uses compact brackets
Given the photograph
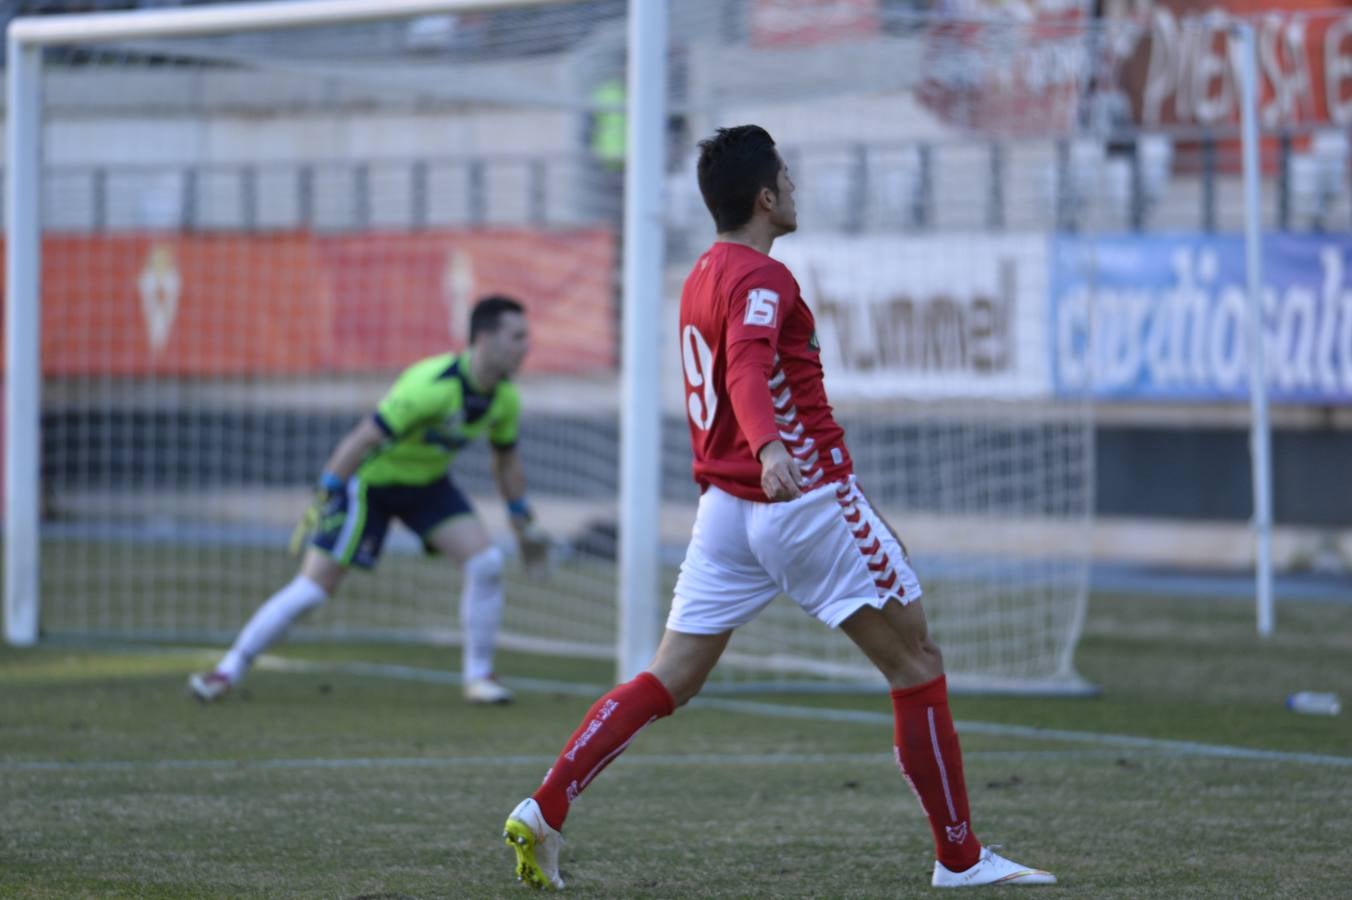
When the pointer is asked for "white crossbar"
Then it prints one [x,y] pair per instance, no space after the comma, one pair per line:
[93,28]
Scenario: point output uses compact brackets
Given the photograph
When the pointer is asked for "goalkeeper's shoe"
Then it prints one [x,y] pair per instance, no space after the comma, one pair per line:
[487,690]
[208,686]
[990,868]
[536,845]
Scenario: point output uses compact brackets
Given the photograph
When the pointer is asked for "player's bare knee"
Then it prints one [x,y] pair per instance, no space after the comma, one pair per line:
[935,654]
[911,660]
[323,572]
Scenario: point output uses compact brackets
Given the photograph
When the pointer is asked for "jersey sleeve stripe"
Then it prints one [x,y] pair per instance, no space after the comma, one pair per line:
[382,424]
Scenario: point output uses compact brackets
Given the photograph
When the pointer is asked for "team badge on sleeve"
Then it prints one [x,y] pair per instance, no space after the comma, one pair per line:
[762,305]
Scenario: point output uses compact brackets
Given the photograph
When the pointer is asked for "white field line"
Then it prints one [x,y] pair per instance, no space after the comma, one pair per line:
[1115,743]
[779,710]
[759,760]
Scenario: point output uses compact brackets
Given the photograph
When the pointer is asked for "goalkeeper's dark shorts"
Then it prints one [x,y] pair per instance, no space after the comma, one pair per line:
[357,538]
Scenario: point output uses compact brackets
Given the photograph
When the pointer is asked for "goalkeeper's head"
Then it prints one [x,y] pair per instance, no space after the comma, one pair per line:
[498,334]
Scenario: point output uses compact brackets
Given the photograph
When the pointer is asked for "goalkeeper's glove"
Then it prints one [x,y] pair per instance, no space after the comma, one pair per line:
[533,541]
[330,500]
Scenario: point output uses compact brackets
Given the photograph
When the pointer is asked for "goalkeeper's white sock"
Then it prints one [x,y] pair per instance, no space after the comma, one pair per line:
[481,611]
[269,623]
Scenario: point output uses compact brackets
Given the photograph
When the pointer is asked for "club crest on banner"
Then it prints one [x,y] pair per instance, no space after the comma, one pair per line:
[160,286]
[457,291]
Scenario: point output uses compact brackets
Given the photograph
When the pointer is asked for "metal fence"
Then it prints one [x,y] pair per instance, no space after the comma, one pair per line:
[1133,182]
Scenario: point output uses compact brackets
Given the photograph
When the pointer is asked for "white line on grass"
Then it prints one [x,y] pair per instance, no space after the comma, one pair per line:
[823,714]
[536,761]
[749,707]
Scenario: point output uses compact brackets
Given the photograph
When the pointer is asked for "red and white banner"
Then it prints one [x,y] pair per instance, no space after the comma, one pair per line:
[1174,61]
[1014,67]
[798,23]
[299,303]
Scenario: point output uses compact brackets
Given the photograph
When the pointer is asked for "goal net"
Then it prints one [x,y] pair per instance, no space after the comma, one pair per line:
[247,232]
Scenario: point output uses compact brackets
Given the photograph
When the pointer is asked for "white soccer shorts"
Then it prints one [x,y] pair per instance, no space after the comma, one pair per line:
[828,551]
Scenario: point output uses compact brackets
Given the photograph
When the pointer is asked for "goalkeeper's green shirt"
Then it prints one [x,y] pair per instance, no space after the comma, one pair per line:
[432,411]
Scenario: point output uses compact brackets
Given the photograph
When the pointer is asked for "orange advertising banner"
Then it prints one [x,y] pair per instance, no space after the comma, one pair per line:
[291,303]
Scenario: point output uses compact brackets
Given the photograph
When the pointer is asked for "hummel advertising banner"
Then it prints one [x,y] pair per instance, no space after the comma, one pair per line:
[1163,317]
[926,317]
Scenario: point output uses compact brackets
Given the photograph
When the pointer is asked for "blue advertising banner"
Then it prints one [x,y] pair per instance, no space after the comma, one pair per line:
[1162,317]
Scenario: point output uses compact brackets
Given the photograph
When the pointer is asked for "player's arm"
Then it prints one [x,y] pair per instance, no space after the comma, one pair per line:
[511,479]
[780,475]
[503,433]
[401,410]
[353,449]
[331,494]
[754,323]
[510,476]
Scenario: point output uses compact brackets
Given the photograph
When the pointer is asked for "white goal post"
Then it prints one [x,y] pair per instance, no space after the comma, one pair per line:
[156,469]
[26,38]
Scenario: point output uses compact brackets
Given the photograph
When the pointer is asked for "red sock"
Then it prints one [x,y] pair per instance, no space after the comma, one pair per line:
[931,762]
[606,730]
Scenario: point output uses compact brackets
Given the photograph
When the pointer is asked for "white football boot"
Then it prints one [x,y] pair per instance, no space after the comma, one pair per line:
[208,686]
[487,690]
[990,868]
[536,845]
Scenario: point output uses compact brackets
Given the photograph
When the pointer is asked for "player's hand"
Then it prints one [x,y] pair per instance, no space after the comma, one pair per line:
[534,543]
[327,504]
[780,478]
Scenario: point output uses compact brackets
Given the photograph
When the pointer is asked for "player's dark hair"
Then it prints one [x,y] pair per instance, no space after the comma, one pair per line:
[733,166]
[488,313]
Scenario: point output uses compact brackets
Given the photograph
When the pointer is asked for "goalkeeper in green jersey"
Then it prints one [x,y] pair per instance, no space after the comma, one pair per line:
[394,464]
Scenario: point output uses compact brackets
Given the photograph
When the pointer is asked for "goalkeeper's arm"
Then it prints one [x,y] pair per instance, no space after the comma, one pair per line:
[355,446]
[331,496]
[511,478]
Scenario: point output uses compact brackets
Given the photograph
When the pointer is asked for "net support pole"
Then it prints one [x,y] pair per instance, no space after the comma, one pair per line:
[1260,436]
[640,396]
[23,262]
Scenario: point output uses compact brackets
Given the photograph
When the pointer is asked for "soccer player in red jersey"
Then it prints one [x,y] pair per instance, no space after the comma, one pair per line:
[780,511]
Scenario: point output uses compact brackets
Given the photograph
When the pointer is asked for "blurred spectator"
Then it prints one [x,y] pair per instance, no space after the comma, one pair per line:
[608,124]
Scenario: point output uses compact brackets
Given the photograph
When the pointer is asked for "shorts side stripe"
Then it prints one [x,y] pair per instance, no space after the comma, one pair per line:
[869,542]
[346,544]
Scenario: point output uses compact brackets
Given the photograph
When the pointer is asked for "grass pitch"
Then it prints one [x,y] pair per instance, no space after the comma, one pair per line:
[328,776]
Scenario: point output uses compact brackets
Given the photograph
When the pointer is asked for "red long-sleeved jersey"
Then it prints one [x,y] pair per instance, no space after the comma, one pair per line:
[753,373]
